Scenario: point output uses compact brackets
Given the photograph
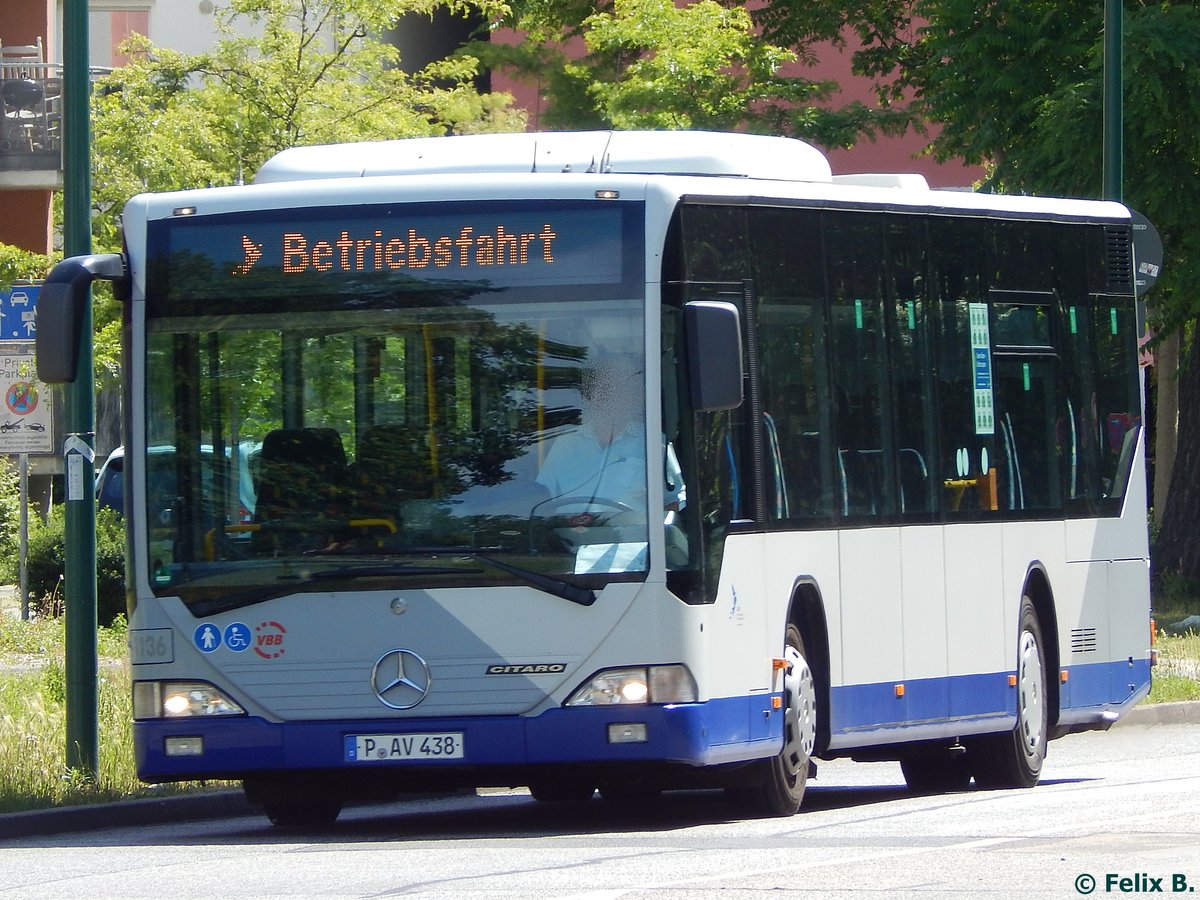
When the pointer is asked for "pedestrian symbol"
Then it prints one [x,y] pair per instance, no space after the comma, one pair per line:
[207,637]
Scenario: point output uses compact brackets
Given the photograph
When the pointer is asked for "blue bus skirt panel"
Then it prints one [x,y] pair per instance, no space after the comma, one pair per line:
[933,708]
[696,734]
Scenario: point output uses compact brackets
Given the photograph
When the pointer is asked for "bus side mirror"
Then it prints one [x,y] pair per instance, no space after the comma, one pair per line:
[62,309]
[714,352]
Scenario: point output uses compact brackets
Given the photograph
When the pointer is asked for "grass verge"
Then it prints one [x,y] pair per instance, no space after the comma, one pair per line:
[1177,676]
[33,770]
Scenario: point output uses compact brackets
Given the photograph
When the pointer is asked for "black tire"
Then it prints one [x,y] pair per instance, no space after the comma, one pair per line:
[937,772]
[561,791]
[775,787]
[1014,759]
[301,813]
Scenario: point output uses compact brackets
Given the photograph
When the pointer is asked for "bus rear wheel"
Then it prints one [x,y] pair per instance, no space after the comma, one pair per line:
[1014,759]
[776,786]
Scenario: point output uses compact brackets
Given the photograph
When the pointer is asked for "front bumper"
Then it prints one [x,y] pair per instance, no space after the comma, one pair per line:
[692,734]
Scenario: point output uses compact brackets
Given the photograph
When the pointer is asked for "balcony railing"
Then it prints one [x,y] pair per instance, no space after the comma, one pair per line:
[31,125]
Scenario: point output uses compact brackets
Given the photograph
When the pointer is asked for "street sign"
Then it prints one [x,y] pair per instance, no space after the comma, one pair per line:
[26,405]
[18,312]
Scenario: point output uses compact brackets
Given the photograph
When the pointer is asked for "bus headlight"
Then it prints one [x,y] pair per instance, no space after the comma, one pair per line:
[180,699]
[637,684]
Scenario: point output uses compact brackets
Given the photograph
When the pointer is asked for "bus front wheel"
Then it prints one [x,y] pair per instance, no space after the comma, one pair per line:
[1014,759]
[776,786]
[302,813]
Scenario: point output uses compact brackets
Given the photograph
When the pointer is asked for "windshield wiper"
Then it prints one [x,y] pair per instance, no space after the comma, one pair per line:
[290,584]
[556,587]
[382,571]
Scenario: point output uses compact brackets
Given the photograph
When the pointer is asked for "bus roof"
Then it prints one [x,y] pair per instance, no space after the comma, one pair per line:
[546,165]
[604,152]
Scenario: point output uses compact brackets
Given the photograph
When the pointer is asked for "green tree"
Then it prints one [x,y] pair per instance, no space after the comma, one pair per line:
[282,74]
[656,64]
[21,265]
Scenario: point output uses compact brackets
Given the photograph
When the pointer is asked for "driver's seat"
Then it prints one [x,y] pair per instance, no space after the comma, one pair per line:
[301,478]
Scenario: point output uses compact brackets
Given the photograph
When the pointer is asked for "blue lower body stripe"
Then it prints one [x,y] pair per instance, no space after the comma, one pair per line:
[973,704]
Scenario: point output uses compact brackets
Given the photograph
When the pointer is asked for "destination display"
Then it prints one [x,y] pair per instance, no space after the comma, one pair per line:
[483,246]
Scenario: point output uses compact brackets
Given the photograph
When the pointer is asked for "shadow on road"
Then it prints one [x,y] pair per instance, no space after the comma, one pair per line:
[502,816]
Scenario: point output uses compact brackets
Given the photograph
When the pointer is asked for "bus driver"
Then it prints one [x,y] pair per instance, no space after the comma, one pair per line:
[603,459]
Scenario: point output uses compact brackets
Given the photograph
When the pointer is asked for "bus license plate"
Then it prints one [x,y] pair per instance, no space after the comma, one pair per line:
[385,747]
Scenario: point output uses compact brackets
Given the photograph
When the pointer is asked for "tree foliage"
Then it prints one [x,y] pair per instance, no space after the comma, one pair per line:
[21,265]
[656,64]
[283,73]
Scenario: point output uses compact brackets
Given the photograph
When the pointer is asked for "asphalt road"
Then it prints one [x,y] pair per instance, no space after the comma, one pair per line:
[1121,805]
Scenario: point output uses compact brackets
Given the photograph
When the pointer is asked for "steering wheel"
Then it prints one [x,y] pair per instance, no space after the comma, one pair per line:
[583,516]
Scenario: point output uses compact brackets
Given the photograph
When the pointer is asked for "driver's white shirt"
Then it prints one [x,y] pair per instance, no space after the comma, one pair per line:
[578,465]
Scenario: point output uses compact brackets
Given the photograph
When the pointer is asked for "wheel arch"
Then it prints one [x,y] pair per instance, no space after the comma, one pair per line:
[1037,589]
[806,611]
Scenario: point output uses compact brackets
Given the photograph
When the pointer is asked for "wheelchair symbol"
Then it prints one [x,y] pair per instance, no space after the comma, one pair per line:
[237,637]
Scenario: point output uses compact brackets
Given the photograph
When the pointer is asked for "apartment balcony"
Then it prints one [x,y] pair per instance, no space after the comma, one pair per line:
[30,126]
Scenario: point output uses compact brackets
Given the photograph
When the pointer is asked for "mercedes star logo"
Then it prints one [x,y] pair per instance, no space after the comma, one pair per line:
[400,679]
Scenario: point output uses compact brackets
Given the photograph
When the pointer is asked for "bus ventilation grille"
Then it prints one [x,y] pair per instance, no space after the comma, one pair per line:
[1119,258]
[1083,640]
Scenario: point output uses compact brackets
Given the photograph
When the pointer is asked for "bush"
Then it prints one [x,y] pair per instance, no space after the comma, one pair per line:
[10,522]
[45,564]
[17,264]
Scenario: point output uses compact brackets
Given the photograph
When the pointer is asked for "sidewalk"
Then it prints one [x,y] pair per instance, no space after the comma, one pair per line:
[125,813]
[1184,712]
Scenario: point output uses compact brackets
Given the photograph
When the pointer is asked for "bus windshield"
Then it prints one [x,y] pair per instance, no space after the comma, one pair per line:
[391,430]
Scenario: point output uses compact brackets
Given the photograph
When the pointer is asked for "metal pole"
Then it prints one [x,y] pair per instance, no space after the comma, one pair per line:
[1114,151]
[23,550]
[79,415]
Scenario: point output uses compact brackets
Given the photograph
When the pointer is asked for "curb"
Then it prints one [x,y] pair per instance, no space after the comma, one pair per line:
[121,813]
[1183,712]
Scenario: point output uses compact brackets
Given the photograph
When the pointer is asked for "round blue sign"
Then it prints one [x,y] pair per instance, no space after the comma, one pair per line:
[237,637]
[207,637]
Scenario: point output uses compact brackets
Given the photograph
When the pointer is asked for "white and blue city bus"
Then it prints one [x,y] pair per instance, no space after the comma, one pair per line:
[621,461]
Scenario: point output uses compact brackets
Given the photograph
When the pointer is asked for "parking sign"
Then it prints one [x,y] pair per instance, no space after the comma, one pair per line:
[18,312]
[26,405]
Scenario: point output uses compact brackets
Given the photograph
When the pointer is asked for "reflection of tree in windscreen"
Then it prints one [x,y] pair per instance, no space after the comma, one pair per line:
[440,448]
[504,367]
[502,362]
